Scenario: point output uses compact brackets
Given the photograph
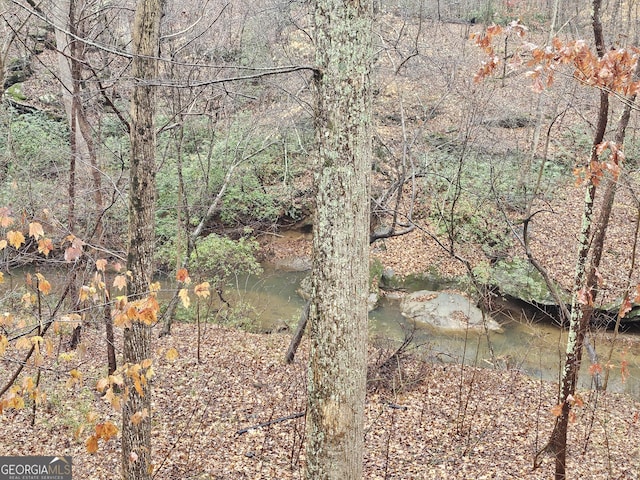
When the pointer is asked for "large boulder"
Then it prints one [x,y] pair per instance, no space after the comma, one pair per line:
[447,311]
[518,279]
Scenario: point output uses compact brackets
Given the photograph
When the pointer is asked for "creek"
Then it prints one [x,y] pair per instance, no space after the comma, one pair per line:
[532,345]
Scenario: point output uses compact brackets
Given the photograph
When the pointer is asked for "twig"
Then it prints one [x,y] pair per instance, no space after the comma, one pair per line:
[271,422]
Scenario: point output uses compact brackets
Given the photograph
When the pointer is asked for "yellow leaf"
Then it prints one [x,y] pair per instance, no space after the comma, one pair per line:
[4,343]
[38,360]
[155,287]
[50,347]
[91,416]
[77,433]
[116,380]
[101,264]
[24,343]
[28,385]
[7,319]
[184,296]
[202,290]
[92,444]
[66,356]
[35,230]
[16,239]
[1,277]
[75,377]
[121,319]
[146,363]
[3,244]
[84,293]
[171,355]
[17,403]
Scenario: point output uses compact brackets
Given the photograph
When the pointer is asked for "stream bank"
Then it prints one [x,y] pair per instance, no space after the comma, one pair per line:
[530,342]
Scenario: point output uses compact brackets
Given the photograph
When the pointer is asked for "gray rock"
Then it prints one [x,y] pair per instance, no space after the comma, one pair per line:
[447,311]
[372,301]
[293,264]
[518,279]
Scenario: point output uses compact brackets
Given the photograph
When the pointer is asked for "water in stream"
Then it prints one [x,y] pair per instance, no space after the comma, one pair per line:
[533,347]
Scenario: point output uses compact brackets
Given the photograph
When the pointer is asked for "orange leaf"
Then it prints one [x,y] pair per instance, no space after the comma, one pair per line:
[636,295]
[92,444]
[183,276]
[594,369]
[138,417]
[106,430]
[122,320]
[624,371]
[45,245]
[202,290]
[5,218]
[625,307]
[557,410]
[43,285]
[101,264]
[147,316]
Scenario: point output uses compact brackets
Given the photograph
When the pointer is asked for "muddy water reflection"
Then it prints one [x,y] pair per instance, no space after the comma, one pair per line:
[535,348]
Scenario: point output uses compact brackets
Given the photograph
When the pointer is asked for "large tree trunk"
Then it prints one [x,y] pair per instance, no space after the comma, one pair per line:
[338,311]
[136,438]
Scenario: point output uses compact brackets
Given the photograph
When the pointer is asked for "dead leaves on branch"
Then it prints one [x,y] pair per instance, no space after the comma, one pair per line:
[72,245]
[613,72]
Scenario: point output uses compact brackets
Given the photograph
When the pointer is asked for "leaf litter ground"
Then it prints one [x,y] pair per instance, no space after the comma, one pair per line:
[425,421]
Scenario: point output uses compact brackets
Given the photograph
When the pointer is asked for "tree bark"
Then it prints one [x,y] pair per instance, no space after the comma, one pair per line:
[136,439]
[338,310]
[579,320]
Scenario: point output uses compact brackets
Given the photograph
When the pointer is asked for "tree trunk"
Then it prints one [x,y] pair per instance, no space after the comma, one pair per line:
[338,311]
[579,320]
[136,439]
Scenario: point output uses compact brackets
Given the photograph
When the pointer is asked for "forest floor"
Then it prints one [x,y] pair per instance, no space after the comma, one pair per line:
[425,421]
[428,421]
